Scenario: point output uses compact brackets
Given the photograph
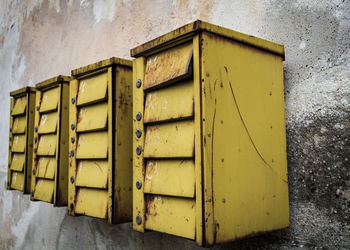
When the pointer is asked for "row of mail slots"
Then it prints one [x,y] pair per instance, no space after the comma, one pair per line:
[187,139]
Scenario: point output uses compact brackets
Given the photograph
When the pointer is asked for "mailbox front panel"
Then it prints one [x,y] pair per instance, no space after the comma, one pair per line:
[91,150]
[21,141]
[49,176]
[165,123]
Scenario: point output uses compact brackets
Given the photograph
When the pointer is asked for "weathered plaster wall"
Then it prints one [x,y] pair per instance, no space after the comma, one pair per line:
[43,38]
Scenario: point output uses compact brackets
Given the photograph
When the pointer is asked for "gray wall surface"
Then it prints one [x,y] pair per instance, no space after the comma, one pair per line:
[43,38]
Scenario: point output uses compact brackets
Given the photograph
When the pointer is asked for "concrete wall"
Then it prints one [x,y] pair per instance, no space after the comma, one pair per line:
[43,38]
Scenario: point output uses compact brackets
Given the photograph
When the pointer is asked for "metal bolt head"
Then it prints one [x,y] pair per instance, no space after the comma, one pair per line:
[34,171]
[10,129]
[36,129]
[138,133]
[72,126]
[73,100]
[32,193]
[138,116]
[138,150]
[35,150]
[138,83]
[35,139]
[37,108]
[72,179]
[138,220]
[72,153]
[72,139]
[138,184]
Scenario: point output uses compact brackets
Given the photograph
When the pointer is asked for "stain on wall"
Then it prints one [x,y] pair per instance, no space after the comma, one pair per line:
[43,38]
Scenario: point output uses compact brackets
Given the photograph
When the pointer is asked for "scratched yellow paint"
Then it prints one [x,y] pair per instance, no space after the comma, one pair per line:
[92,145]
[92,173]
[92,89]
[48,123]
[168,66]
[17,162]
[17,181]
[44,190]
[93,117]
[171,215]
[19,106]
[170,140]
[19,143]
[49,100]
[92,202]
[236,139]
[170,177]
[46,167]
[19,125]
[164,104]
[47,144]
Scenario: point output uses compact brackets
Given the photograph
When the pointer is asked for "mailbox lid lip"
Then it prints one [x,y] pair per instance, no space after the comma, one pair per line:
[101,64]
[198,26]
[52,82]
[22,91]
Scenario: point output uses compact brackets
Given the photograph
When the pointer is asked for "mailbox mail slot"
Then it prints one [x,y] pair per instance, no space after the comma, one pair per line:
[209,160]
[100,169]
[50,163]
[21,139]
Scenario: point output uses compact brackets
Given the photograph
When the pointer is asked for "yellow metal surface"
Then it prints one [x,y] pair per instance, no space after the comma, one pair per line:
[92,117]
[170,140]
[139,204]
[49,100]
[168,66]
[189,30]
[171,215]
[92,202]
[47,145]
[92,173]
[17,162]
[101,163]
[19,143]
[48,123]
[92,89]
[50,180]
[46,167]
[92,146]
[19,125]
[173,102]
[19,107]
[236,137]
[17,181]
[44,190]
[170,177]
[245,149]
[21,139]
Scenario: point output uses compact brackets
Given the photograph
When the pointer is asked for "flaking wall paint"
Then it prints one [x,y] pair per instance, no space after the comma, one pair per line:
[43,38]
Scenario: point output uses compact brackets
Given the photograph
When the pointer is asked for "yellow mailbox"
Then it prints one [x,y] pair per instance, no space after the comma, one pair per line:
[209,154]
[50,163]
[21,139]
[100,130]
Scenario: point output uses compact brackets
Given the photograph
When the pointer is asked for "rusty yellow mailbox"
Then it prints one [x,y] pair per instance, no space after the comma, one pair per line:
[209,160]
[21,139]
[100,125]
[50,163]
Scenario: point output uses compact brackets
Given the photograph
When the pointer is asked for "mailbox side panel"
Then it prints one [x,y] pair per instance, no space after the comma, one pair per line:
[30,137]
[123,145]
[244,162]
[62,168]
[10,144]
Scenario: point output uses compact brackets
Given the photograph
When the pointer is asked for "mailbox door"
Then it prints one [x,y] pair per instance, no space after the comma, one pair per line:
[46,144]
[91,145]
[166,118]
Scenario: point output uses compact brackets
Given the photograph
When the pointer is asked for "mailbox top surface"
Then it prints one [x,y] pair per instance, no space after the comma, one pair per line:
[198,26]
